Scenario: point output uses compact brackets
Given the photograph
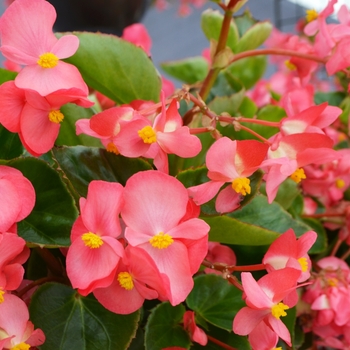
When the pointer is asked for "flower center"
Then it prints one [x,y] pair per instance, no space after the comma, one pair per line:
[298,175]
[161,240]
[339,183]
[47,60]
[111,147]
[92,240]
[304,264]
[22,346]
[147,134]
[290,65]
[2,298]
[241,185]
[332,282]
[311,15]
[125,280]
[56,116]
[278,310]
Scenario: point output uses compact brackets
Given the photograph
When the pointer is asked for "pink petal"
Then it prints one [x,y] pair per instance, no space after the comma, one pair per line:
[247,319]
[66,46]
[154,202]
[102,207]
[280,329]
[205,192]
[11,204]
[227,200]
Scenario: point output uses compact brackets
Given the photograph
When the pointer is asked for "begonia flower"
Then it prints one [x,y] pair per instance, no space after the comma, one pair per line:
[264,302]
[219,253]
[138,35]
[288,251]
[137,278]
[93,257]
[155,204]
[229,161]
[16,331]
[27,39]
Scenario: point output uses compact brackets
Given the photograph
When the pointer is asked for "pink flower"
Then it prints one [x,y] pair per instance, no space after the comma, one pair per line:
[229,161]
[165,135]
[288,251]
[17,332]
[155,204]
[93,257]
[27,39]
[137,278]
[17,197]
[219,253]
[138,35]
[197,334]
[264,302]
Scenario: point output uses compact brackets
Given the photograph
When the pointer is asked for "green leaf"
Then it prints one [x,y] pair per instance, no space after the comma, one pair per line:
[248,108]
[71,321]
[211,23]
[82,164]
[54,212]
[189,70]
[10,144]
[116,68]
[163,328]
[244,22]
[248,70]
[257,223]
[227,104]
[254,36]
[67,135]
[6,75]
[333,98]
[288,191]
[321,242]
[215,300]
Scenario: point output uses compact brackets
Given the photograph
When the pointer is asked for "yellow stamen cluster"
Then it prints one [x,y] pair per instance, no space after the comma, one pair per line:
[278,310]
[339,183]
[298,175]
[161,240]
[304,264]
[22,346]
[311,15]
[290,65]
[92,240]
[56,116]
[332,282]
[125,280]
[241,185]
[148,135]
[111,147]
[2,298]
[48,60]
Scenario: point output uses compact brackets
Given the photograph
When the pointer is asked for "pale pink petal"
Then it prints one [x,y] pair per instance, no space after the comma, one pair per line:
[48,80]
[227,200]
[160,160]
[138,35]
[11,204]
[154,202]
[38,132]
[102,207]
[36,338]
[83,127]
[280,329]
[247,319]
[66,46]
[262,337]
[205,192]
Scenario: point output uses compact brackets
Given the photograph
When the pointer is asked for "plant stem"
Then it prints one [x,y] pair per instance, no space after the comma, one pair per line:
[39,282]
[220,343]
[255,134]
[256,267]
[225,29]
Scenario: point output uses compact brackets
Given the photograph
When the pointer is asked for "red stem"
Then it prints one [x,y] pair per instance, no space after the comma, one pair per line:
[256,267]
[255,134]
[220,343]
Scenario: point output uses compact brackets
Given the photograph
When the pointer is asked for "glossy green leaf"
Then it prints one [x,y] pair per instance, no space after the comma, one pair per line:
[67,135]
[257,223]
[189,70]
[6,75]
[10,144]
[54,213]
[71,321]
[333,98]
[254,36]
[321,243]
[248,108]
[287,193]
[82,164]
[211,23]
[215,300]
[163,328]
[248,70]
[116,68]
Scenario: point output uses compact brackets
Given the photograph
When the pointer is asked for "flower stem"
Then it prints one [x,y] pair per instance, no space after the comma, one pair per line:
[39,282]
[220,343]
[256,267]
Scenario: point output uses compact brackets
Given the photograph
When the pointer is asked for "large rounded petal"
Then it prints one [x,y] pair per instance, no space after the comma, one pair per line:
[10,204]
[154,202]
[228,200]
[66,46]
